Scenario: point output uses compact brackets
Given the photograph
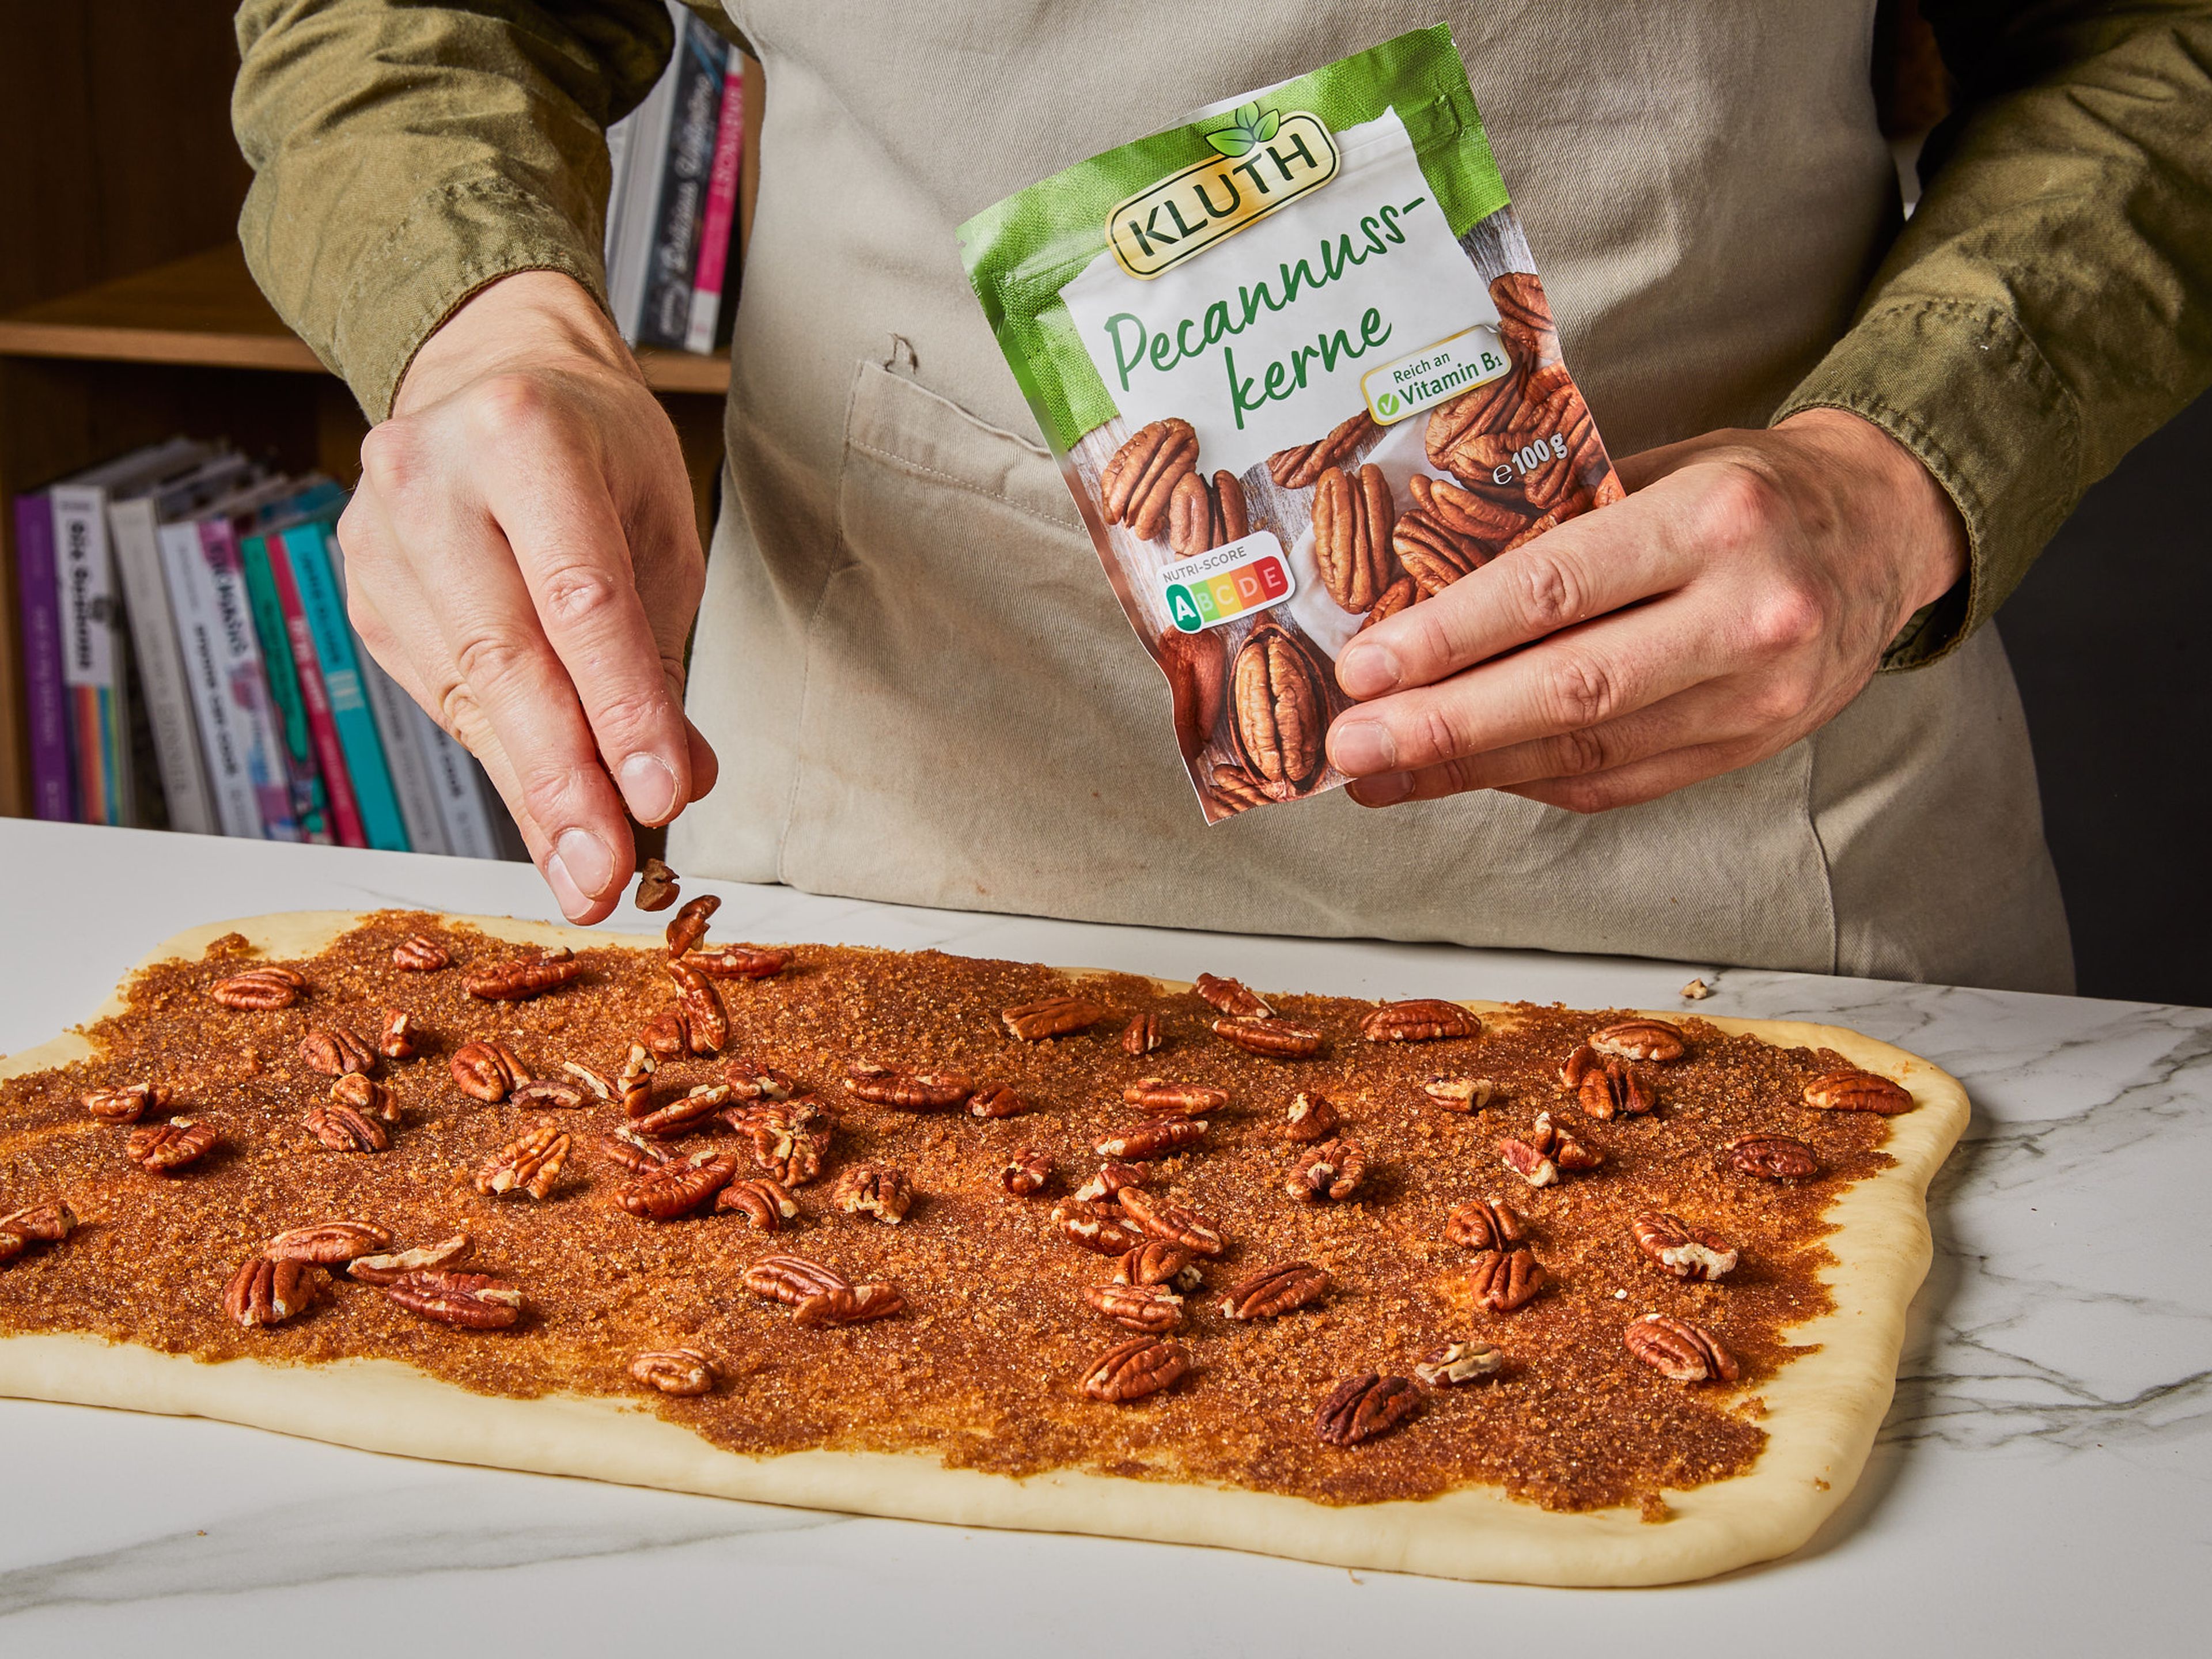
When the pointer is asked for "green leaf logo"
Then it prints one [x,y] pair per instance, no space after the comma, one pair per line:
[1247,130]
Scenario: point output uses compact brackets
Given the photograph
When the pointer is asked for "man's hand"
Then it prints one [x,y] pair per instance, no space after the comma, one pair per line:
[1736,600]
[521,557]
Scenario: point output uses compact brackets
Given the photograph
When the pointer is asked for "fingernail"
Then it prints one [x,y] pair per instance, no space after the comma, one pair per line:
[586,859]
[1361,747]
[573,903]
[1391,788]
[649,787]
[1366,670]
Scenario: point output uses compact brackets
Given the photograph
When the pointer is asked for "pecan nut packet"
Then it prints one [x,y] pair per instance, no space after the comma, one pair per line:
[1298,368]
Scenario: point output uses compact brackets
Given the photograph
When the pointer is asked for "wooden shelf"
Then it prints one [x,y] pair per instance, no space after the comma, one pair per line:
[205,311]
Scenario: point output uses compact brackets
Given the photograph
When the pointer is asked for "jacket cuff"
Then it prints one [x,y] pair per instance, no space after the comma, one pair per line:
[453,241]
[1965,389]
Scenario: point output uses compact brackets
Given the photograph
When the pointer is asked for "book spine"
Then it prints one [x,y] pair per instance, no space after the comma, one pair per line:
[687,161]
[410,768]
[310,801]
[238,809]
[92,654]
[315,698]
[246,682]
[468,831]
[131,525]
[644,147]
[310,547]
[51,796]
[718,223]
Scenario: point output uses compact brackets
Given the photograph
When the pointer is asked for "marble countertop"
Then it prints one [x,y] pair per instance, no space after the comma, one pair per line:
[2043,1482]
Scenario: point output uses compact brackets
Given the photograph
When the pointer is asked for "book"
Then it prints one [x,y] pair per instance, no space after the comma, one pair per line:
[403,753]
[46,702]
[310,551]
[718,219]
[311,798]
[214,672]
[463,803]
[315,698]
[687,164]
[634,199]
[262,746]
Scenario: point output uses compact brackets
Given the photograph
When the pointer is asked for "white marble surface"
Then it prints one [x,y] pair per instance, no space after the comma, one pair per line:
[2044,1483]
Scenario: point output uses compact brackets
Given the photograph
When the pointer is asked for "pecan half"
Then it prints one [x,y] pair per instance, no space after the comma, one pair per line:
[790,1138]
[687,929]
[710,1024]
[657,887]
[1234,790]
[589,1081]
[418,953]
[681,1117]
[1461,1094]
[366,1095]
[1142,1035]
[1204,513]
[630,1153]
[1484,1224]
[748,1079]
[1133,1370]
[853,1307]
[995,1100]
[1155,1261]
[1333,1169]
[550,1093]
[683,1372]
[1138,484]
[521,978]
[389,1267]
[1160,1138]
[634,1086]
[875,1189]
[395,1039]
[124,1103]
[1399,595]
[740,962]
[768,1204]
[676,1190]
[530,1166]
[1312,1117]
[259,988]
[268,1293]
[1026,1172]
[1610,1090]
[1685,1251]
[36,1223]
[1679,1351]
[1155,1096]
[1361,1408]
[1353,518]
[667,1033]
[1275,1291]
[487,1070]
[470,1301]
[1296,468]
[1457,426]
[334,1050]
[1525,1161]
[342,1129]
[1096,1227]
[163,1148]
[1433,554]
[1197,670]
[910,1091]
[327,1243]
[1109,1181]
[1503,1280]
[1423,1019]
[1641,1039]
[1477,517]
[1278,706]
[1856,1091]
[1772,1157]
[1151,1308]
[1175,1223]
[1277,1039]
[1458,1363]
[1562,1148]
[1052,1017]
[792,1279]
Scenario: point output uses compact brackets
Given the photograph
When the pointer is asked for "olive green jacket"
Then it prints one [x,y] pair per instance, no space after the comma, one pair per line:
[2048,304]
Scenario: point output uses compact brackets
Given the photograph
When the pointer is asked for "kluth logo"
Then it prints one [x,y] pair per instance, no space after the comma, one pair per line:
[1262,162]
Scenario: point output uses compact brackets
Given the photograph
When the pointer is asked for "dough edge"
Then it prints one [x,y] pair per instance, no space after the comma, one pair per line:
[1822,1410]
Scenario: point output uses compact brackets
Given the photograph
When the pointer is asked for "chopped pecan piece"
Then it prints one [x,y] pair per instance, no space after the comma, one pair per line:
[1686,1251]
[334,1050]
[1484,1224]
[910,1091]
[367,1096]
[37,1224]
[681,1117]
[634,1086]
[1423,1019]
[1641,1039]
[765,1202]
[1157,1262]
[684,1372]
[1096,1227]
[549,1094]
[259,988]
[1155,1096]
[1052,1017]
[389,1268]
[487,1070]
[1232,997]
[995,1100]
[740,962]
[1504,1279]
[1331,1169]
[124,1103]
[632,1154]
[790,1138]
[667,1033]
[418,953]
[163,1148]
[1312,1117]
[748,1079]
[1297,467]
[521,978]
[687,928]
[1857,1091]
[471,1302]
[395,1040]
[1457,1362]
[1527,1162]
[1109,1181]
[853,1307]
[875,1189]
[1161,1137]
[676,1190]
[1361,1408]
[1140,1307]
[1142,1035]
[268,1293]
[342,1129]
[1026,1172]
[792,1279]
[327,1243]
[1773,1157]
[1131,1370]
[706,1023]
[1461,1094]
[1570,1154]
[657,886]
[1678,1351]
[1175,1222]
[530,1166]
[1277,1039]
[589,1081]
[1274,1292]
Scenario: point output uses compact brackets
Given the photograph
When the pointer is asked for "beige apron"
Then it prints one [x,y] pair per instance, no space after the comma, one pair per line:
[920,683]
